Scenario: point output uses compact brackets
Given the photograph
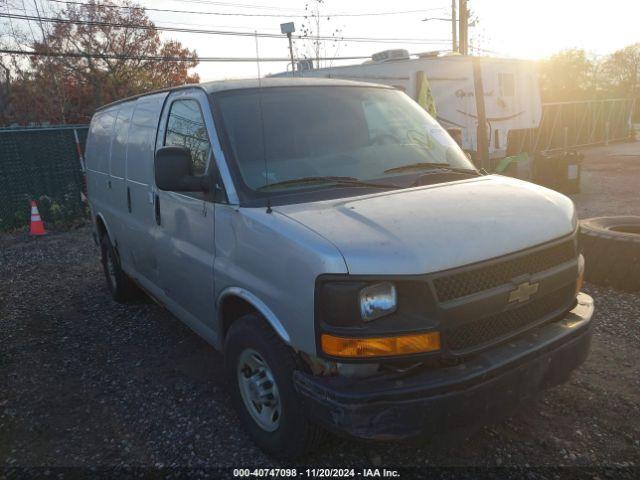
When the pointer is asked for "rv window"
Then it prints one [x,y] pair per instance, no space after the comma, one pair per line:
[507,84]
[186,128]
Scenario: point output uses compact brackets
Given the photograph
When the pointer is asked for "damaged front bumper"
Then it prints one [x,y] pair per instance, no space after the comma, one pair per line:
[486,387]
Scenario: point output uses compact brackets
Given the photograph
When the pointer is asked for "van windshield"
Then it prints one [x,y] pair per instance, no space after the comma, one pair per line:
[293,138]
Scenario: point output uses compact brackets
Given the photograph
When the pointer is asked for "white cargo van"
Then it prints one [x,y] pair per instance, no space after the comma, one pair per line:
[357,271]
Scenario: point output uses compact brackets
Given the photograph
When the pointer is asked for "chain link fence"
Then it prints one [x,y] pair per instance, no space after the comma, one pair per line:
[41,164]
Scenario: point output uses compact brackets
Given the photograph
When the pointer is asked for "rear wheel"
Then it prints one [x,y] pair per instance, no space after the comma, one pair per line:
[260,367]
[120,286]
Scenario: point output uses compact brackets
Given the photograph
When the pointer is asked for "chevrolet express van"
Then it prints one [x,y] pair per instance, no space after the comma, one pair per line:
[359,274]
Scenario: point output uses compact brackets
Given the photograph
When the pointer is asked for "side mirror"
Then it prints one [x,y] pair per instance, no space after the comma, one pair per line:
[172,167]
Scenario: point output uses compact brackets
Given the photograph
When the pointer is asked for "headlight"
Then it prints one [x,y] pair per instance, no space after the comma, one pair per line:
[378,300]
[574,218]
[351,302]
[347,305]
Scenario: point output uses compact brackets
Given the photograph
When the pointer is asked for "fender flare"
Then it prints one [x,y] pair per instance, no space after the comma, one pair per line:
[106,226]
[256,303]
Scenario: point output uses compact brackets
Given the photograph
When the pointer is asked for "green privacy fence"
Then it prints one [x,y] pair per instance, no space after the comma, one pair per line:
[40,164]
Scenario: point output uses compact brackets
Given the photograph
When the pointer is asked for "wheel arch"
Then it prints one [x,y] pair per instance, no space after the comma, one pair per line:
[233,302]
[101,227]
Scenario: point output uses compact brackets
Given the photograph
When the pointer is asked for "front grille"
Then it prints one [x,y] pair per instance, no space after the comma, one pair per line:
[497,326]
[485,277]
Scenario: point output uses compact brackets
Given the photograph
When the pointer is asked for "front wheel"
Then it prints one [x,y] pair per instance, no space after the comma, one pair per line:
[260,367]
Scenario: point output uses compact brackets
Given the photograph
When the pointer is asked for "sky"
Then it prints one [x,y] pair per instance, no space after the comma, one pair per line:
[513,28]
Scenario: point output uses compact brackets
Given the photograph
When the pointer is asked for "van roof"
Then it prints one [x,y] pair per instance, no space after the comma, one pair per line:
[218,86]
[223,85]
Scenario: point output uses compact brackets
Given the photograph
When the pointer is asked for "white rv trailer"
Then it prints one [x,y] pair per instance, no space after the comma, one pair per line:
[511,91]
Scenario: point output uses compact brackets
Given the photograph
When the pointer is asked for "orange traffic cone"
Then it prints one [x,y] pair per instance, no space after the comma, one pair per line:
[37,226]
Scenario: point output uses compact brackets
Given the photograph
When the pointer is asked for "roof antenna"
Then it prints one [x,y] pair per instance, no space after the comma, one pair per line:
[264,147]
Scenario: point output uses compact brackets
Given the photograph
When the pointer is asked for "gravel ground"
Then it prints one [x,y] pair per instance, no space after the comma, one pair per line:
[86,382]
[610,181]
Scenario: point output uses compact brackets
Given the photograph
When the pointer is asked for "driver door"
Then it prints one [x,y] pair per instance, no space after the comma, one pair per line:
[185,222]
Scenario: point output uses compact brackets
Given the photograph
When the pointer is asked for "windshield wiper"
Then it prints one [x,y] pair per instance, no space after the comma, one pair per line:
[431,165]
[351,181]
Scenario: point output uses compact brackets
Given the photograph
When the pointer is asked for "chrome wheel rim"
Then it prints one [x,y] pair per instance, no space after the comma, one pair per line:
[258,390]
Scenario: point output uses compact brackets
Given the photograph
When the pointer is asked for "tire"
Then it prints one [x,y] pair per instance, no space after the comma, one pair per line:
[120,286]
[293,434]
[611,247]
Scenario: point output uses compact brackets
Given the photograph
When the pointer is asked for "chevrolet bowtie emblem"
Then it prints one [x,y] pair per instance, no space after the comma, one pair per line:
[523,292]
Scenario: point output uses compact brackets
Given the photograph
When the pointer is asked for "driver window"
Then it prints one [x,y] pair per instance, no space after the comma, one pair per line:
[186,128]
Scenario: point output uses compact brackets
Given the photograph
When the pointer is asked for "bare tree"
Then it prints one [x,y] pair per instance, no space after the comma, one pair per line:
[45,32]
[6,43]
[315,22]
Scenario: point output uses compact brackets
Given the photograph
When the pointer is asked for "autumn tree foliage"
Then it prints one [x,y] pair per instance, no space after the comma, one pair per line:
[573,74]
[567,75]
[124,56]
[622,69]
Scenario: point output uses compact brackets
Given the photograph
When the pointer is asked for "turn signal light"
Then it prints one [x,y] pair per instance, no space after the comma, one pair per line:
[380,347]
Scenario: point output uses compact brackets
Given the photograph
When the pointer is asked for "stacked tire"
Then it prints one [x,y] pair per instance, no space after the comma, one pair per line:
[611,247]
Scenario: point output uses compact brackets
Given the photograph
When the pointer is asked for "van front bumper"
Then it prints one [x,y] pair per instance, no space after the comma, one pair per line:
[487,387]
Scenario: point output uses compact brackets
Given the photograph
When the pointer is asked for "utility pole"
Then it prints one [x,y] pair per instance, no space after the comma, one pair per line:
[454,27]
[293,63]
[464,27]
[288,29]
[482,138]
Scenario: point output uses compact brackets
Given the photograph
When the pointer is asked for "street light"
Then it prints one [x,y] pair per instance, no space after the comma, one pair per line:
[288,28]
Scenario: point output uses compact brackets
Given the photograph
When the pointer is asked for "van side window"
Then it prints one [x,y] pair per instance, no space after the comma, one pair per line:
[186,128]
[142,137]
[99,140]
[119,142]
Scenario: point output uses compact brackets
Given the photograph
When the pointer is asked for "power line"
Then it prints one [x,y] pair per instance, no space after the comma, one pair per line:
[193,12]
[168,23]
[218,32]
[304,13]
[152,58]
[160,58]
[239,14]
[237,5]
[235,27]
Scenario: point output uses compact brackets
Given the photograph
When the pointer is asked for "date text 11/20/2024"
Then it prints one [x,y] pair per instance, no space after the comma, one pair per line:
[317,472]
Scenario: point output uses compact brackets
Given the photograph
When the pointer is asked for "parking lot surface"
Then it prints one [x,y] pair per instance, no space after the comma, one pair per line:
[88,382]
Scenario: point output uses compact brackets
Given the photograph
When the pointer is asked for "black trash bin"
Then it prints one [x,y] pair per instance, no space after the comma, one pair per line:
[571,171]
[546,170]
[560,171]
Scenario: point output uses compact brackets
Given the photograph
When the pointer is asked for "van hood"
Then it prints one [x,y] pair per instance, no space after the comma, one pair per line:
[437,227]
